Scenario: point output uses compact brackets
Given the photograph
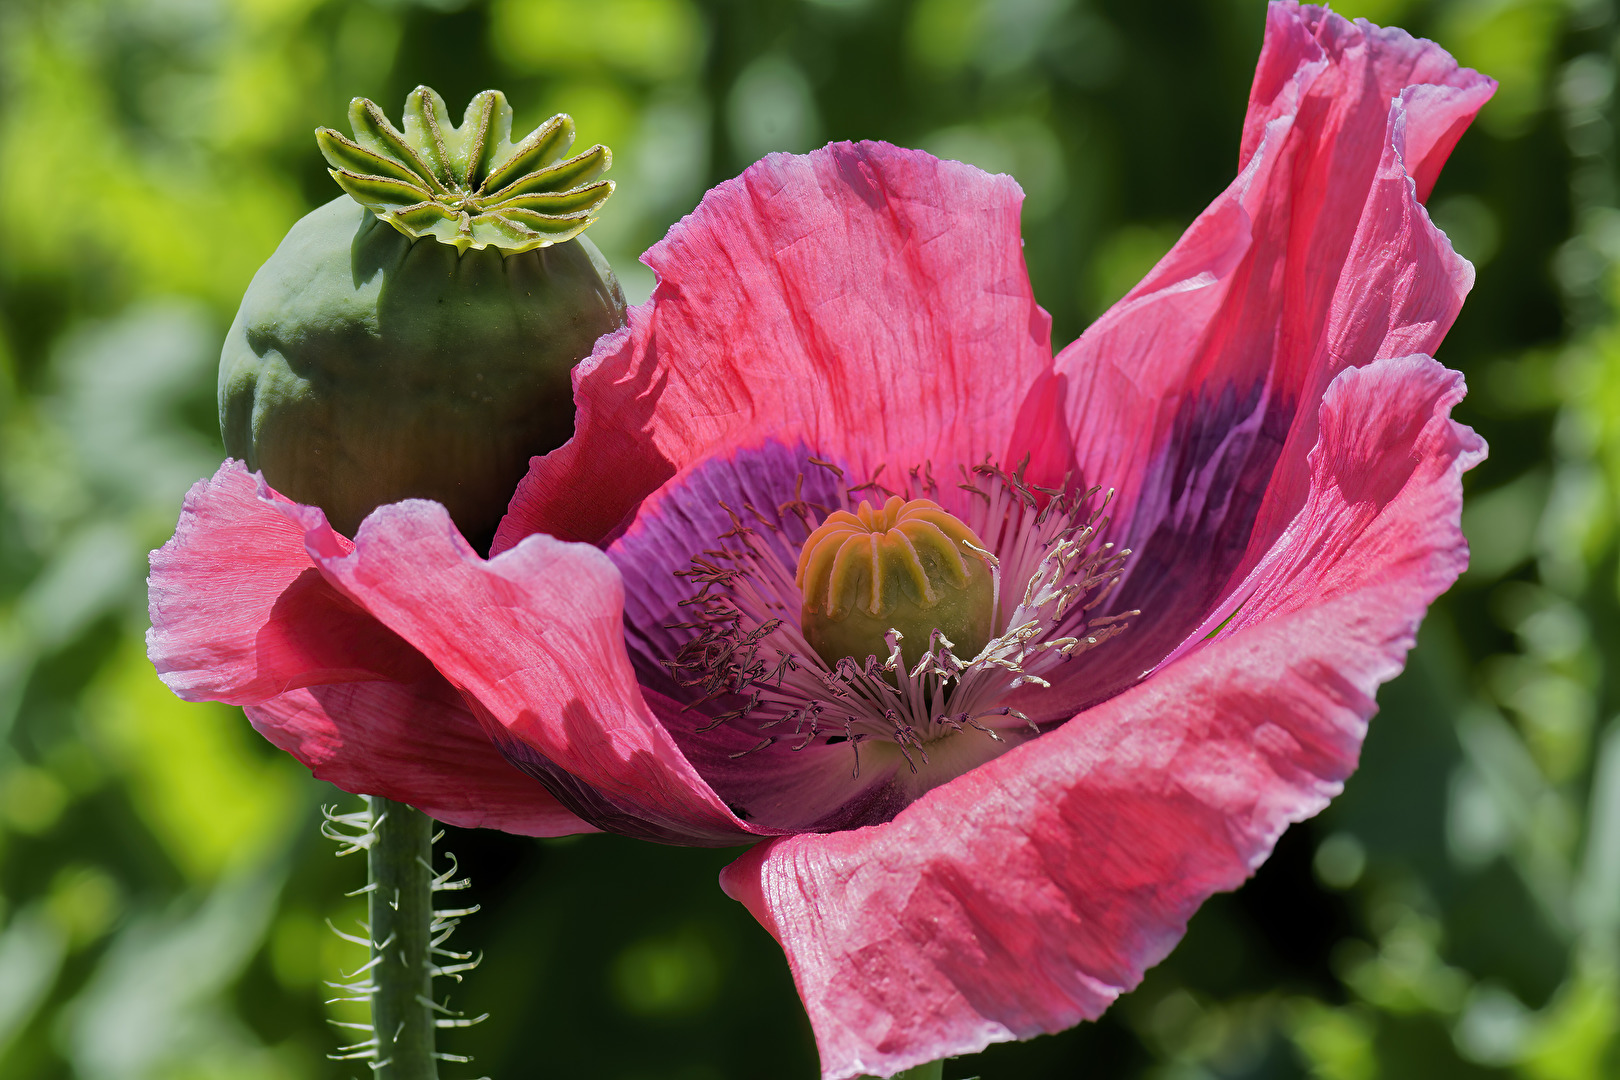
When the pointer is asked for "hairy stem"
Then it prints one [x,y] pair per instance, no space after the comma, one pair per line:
[401,876]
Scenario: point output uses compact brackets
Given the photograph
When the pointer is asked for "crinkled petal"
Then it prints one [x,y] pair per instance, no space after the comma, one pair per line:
[869,300]
[1356,68]
[240,613]
[1366,529]
[1195,396]
[1026,895]
[416,744]
[535,640]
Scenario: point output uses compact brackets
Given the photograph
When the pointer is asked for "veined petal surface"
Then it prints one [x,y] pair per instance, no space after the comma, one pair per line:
[870,300]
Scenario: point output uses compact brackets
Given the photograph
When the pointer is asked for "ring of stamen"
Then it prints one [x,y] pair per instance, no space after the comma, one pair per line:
[749,651]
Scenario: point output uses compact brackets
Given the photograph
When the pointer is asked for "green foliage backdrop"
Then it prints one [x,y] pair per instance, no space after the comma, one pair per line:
[164,887]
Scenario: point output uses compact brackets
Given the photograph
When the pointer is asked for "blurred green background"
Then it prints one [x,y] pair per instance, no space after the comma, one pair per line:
[1454,914]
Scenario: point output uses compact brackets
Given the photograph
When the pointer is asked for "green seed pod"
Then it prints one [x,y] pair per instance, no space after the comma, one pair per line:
[414,337]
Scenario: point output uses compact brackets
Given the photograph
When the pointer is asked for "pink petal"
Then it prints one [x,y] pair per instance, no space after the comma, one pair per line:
[416,744]
[1389,412]
[869,300]
[535,640]
[779,788]
[239,611]
[241,614]
[1401,288]
[1028,894]
[1196,395]
[1354,58]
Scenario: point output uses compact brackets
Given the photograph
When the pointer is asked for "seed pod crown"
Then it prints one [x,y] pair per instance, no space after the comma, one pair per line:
[468,186]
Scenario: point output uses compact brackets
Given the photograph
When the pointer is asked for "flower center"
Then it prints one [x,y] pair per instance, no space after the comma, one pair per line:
[910,629]
[911,567]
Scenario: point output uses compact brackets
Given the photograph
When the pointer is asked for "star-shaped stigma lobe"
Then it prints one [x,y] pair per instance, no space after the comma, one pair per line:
[469,186]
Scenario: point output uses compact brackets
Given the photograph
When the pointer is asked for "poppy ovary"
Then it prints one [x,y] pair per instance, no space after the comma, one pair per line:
[911,567]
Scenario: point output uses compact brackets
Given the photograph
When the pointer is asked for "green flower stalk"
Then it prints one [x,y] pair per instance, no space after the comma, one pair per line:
[405,936]
[401,913]
[413,338]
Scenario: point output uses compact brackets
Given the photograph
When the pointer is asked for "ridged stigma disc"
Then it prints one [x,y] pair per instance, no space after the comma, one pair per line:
[468,186]
[909,567]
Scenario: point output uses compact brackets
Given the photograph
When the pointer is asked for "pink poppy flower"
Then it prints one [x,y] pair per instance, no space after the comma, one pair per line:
[962,843]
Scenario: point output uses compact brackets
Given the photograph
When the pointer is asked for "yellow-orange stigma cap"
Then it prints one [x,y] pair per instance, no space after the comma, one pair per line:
[908,567]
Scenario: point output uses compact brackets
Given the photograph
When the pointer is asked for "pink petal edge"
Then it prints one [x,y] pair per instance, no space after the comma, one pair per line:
[239,611]
[242,614]
[1195,396]
[1273,282]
